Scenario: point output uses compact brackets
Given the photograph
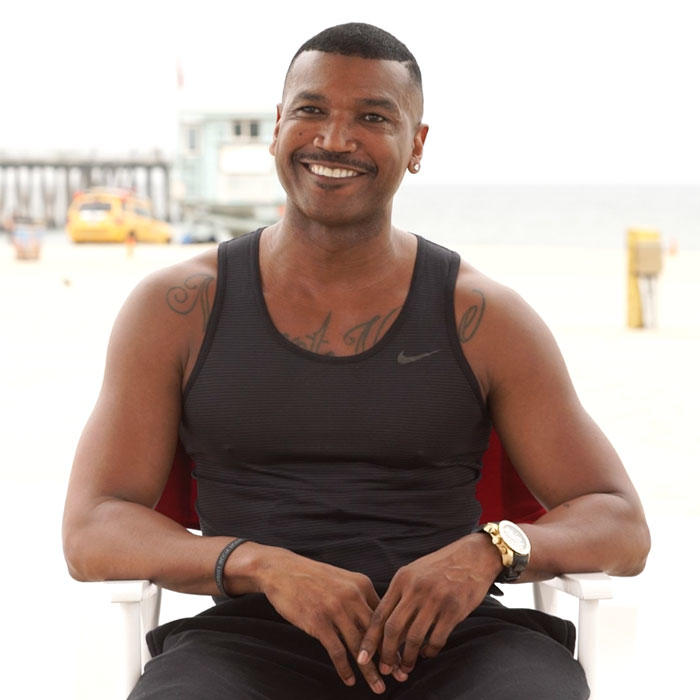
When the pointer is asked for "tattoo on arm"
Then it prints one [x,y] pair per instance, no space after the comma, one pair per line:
[358,335]
[471,319]
[194,290]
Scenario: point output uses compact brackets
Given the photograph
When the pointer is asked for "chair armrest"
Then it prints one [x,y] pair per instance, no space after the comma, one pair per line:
[588,588]
[131,591]
[139,603]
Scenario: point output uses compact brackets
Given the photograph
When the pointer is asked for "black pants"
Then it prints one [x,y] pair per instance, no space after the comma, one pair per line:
[243,649]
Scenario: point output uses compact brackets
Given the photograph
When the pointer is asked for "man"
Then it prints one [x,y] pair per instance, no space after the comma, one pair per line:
[334,380]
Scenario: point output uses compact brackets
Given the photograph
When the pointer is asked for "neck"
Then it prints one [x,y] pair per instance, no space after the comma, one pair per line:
[332,258]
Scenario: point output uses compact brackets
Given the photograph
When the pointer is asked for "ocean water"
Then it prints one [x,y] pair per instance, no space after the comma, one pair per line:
[585,216]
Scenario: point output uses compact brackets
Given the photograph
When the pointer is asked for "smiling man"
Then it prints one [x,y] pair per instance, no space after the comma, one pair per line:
[335,380]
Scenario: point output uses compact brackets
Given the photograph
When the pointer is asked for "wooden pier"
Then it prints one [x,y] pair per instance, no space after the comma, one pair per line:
[41,187]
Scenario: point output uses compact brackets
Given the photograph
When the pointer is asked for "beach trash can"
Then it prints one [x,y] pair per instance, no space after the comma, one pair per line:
[26,236]
[644,264]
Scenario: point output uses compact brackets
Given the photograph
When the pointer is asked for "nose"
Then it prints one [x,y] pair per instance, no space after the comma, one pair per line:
[335,134]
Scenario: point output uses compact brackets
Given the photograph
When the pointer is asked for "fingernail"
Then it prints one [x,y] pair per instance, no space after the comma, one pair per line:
[362,657]
[384,668]
[400,675]
[378,686]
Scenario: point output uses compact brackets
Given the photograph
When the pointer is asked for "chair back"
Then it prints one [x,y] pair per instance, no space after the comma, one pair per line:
[500,490]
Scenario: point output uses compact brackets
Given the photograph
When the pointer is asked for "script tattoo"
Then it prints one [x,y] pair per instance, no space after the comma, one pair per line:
[313,341]
[194,290]
[373,330]
[471,319]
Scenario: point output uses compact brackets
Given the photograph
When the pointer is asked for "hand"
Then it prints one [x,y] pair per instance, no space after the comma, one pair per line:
[331,604]
[424,602]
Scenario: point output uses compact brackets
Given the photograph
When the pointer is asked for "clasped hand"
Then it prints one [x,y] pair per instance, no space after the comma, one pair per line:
[424,602]
[421,607]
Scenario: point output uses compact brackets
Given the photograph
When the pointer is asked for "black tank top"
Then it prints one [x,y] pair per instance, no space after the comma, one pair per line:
[365,462]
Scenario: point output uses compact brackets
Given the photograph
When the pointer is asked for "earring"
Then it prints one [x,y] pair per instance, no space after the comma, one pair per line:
[415,167]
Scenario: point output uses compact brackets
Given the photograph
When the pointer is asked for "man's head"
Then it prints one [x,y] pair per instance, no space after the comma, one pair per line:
[364,41]
[349,125]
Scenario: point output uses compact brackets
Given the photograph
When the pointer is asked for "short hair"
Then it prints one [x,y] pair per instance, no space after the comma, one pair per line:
[364,41]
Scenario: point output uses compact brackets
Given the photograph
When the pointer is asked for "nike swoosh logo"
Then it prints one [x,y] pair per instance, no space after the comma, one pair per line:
[404,359]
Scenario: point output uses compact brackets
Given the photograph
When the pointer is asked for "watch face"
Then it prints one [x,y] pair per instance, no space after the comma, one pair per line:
[514,537]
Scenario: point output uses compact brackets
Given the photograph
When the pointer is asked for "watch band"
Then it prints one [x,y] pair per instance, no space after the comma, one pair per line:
[514,562]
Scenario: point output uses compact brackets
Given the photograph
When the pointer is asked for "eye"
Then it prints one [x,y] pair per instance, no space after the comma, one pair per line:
[374,118]
[309,109]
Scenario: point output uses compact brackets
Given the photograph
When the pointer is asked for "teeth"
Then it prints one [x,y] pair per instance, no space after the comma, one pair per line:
[331,172]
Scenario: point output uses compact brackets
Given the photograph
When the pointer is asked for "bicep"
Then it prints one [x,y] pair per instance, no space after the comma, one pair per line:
[557,448]
[127,446]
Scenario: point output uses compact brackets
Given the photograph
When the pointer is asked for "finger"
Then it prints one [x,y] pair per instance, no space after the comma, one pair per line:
[362,613]
[398,673]
[396,669]
[372,598]
[352,636]
[438,637]
[369,593]
[375,629]
[415,640]
[395,630]
[338,655]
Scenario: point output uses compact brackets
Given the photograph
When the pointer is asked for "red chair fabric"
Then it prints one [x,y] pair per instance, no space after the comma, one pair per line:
[180,494]
[500,490]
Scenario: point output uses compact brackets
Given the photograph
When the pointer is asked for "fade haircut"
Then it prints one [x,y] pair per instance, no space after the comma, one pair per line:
[364,41]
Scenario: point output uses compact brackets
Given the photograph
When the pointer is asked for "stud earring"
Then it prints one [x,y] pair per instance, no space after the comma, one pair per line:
[415,167]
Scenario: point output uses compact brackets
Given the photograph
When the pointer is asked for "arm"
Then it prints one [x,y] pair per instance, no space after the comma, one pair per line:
[595,520]
[124,455]
[110,530]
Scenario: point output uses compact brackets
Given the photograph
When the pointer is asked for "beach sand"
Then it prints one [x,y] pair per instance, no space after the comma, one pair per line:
[641,386]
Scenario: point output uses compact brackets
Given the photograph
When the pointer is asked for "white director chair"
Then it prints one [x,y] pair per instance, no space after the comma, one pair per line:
[139,602]
[502,495]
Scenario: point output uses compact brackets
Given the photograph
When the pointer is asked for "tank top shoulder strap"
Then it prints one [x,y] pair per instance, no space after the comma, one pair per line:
[432,304]
[235,280]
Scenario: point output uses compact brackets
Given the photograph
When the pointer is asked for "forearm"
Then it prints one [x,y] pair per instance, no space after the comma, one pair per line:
[118,539]
[596,532]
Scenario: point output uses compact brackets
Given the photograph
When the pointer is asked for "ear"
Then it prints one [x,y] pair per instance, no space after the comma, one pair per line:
[276,130]
[417,152]
[419,140]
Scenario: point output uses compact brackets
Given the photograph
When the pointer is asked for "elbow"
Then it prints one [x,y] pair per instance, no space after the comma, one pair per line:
[77,553]
[639,541]
[75,572]
[74,560]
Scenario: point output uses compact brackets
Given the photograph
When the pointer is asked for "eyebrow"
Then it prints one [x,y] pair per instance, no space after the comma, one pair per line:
[309,96]
[380,102]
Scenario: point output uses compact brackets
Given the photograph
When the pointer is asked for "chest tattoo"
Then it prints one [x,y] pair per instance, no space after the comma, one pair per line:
[359,337]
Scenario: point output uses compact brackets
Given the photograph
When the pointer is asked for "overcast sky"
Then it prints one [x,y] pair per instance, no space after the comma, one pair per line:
[528,91]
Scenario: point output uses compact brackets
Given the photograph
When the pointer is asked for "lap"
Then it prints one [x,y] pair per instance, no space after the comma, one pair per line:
[243,649]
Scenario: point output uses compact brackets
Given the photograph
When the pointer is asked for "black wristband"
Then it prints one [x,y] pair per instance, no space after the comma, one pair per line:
[221,562]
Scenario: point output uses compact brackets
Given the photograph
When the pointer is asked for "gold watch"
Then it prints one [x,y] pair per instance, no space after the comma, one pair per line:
[514,547]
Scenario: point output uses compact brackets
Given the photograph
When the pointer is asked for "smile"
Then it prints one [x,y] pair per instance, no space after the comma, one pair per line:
[338,173]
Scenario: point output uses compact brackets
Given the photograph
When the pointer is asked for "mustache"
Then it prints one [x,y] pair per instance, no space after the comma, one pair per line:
[341,159]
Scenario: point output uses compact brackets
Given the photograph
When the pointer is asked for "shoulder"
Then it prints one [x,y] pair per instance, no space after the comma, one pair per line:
[170,292]
[487,307]
[500,333]
[166,314]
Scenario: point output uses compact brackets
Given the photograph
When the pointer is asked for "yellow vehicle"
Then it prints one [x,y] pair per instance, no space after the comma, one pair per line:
[114,215]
